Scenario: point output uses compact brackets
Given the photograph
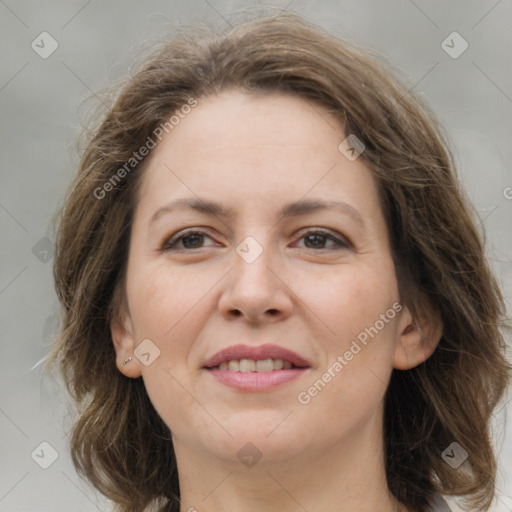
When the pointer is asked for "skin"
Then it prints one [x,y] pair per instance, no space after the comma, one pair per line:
[255,154]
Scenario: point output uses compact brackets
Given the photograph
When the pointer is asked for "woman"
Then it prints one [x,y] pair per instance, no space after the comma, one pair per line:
[275,296]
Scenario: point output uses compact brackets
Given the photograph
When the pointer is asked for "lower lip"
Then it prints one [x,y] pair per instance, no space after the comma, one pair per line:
[256,381]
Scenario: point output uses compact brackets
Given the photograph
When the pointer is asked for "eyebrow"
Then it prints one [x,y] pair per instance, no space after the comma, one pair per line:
[289,210]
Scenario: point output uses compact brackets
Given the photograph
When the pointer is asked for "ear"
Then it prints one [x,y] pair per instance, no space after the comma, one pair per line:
[121,329]
[418,337]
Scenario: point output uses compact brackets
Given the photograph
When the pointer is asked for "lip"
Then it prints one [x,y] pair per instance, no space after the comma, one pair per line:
[256,381]
[237,352]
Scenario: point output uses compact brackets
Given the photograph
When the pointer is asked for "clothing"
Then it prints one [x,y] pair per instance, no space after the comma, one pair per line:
[438,504]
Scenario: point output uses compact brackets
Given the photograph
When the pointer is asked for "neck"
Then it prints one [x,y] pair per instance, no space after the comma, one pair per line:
[344,477]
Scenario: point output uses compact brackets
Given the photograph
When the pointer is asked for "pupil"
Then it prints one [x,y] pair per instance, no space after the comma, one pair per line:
[188,238]
[316,240]
[315,237]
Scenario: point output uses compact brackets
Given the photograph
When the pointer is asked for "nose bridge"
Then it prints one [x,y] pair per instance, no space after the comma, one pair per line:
[253,286]
[251,250]
[253,262]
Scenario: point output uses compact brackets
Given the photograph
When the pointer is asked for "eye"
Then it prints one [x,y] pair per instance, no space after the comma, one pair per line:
[191,239]
[317,239]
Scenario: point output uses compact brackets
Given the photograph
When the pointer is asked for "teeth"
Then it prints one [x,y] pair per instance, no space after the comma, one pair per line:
[247,365]
[264,365]
[250,365]
[234,366]
[278,364]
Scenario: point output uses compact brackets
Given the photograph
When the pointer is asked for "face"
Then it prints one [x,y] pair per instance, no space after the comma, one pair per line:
[318,282]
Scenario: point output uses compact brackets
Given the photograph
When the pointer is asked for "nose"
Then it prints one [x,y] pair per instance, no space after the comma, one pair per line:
[256,290]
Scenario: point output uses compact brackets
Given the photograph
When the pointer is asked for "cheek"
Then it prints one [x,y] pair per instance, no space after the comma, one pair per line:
[358,308]
[166,308]
[162,301]
[350,300]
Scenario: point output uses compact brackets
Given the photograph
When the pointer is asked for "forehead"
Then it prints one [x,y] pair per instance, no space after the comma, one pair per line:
[255,150]
[259,119]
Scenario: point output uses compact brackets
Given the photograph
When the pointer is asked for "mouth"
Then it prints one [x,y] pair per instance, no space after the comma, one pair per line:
[256,368]
[259,365]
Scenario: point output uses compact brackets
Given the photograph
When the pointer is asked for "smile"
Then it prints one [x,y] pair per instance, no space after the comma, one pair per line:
[251,365]
[255,368]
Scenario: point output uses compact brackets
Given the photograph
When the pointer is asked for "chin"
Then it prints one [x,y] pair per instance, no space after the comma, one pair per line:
[275,433]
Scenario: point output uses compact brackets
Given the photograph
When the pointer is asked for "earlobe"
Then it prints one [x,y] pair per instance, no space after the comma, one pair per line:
[121,331]
[418,338]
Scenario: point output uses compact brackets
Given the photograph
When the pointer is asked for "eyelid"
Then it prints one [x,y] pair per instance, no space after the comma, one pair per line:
[168,241]
[341,241]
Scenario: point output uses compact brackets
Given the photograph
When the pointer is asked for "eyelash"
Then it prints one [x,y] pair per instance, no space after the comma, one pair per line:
[170,243]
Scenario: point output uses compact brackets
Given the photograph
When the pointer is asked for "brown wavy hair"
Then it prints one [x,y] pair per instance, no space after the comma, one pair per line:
[119,442]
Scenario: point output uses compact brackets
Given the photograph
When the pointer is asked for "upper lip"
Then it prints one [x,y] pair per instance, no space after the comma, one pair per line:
[237,352]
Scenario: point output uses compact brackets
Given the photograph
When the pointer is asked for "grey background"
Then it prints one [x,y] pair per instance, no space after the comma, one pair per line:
[97,42]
